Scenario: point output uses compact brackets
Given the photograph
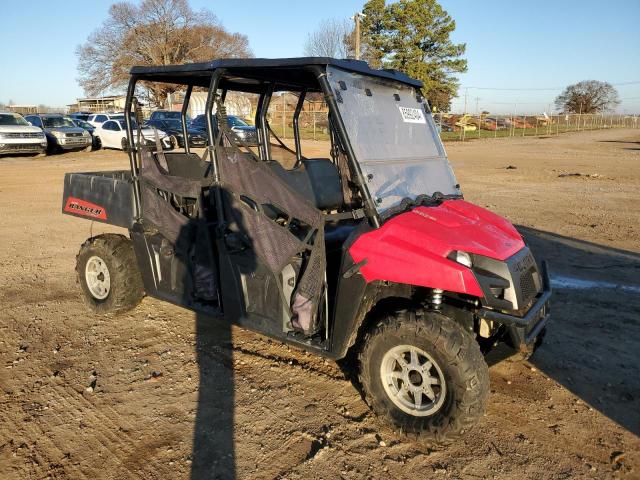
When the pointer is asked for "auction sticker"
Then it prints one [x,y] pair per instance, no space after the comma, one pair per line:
[412,115]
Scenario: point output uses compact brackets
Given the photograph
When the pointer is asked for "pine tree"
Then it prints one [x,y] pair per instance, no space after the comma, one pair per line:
[413,36]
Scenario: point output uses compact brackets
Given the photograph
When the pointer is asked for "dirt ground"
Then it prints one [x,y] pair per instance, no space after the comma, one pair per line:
[160,393]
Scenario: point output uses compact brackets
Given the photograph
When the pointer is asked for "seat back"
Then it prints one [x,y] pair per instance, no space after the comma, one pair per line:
[186,165]
[317,180]
[324,179]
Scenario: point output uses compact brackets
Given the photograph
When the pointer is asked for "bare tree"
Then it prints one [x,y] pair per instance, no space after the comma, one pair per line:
[589,96]
[155,32]
[333,38]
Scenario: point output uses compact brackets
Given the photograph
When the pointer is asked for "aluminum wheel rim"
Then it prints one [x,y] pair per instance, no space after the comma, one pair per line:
[96,274]
[413,380]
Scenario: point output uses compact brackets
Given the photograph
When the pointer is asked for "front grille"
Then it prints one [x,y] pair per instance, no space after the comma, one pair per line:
[24,148]
[23,135]
[73,134]
[528,286]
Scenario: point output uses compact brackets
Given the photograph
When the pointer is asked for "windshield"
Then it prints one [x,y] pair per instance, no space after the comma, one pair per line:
[8,119]
[233,121]
[82,124]
[160,115]
[394,138]
[54,122]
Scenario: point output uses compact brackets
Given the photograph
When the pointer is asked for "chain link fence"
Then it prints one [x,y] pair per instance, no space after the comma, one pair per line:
[464,127]
[455,127]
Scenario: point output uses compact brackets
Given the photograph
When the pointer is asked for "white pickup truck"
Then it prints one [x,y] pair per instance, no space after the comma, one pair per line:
[18,136]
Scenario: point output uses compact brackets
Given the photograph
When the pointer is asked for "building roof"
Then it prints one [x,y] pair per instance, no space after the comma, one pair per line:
[286,72]
[101,99]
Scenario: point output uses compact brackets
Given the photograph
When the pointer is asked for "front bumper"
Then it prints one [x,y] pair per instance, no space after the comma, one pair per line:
[73,142]
[524,330]
[9,148]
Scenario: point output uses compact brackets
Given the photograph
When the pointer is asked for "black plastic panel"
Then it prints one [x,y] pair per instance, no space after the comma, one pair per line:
[105,197]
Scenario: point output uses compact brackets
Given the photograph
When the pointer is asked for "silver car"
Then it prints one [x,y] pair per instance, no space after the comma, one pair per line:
[62,134]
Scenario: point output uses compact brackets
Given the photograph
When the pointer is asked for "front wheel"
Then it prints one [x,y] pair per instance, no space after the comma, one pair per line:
[425,374]
[108,274]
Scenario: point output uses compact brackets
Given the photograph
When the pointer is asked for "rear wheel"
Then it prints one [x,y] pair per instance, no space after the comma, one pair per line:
[425,374]
[108,274]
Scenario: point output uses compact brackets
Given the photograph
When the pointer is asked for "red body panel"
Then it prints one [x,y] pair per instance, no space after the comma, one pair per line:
[412,247]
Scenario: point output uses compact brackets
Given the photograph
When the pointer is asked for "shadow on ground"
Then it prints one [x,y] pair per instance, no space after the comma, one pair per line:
[624,143]
[592,345]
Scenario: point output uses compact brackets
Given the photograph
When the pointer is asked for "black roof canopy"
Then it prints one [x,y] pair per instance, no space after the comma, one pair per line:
[247,74]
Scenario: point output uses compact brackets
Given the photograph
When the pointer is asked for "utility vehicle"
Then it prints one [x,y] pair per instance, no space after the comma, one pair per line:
[371,251]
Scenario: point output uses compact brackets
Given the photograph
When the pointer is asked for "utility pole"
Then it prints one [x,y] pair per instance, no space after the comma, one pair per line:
[356,18]
[466,91]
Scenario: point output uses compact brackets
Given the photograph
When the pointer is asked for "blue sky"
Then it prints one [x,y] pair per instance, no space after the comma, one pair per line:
[510,45]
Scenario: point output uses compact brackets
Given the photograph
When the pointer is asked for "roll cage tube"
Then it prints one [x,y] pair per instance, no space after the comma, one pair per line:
[213,153]
[266,100]
[183,116]
[321,75]
[296,127]
[131,89]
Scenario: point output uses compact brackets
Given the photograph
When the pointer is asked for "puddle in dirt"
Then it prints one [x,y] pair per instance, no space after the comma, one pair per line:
[582,284]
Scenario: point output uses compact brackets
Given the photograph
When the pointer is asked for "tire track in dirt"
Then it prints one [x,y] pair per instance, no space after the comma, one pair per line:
[110,435]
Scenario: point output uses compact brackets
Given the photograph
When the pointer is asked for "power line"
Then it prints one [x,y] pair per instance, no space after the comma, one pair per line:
[635,82]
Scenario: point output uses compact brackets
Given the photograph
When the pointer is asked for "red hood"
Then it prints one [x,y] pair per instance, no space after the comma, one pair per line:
[412,247]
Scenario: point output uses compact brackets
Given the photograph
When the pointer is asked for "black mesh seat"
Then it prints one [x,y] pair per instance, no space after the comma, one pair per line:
[317,180]
[186,165]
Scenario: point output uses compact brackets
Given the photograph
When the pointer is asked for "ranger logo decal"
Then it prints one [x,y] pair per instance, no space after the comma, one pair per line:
[84,208]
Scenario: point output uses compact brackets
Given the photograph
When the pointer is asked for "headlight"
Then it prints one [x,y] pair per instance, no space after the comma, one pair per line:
[57,134]
[41,135]
[85,133]
[463,258]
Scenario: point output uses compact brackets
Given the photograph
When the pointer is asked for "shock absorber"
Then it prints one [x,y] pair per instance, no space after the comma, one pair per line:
[436,298]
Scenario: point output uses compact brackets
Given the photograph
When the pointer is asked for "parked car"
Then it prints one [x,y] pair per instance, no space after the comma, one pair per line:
[98,119]
[245,132]
[62,134]
[166,115]
[518,122]
[113,134]
[493,124]
[464,122]
[95,140]
[197,137]
[17,136]
[84,116]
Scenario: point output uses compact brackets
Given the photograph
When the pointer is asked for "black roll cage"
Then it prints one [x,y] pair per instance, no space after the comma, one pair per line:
[264,79]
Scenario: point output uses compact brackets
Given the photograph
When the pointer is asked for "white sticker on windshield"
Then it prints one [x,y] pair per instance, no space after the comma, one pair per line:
[412,115]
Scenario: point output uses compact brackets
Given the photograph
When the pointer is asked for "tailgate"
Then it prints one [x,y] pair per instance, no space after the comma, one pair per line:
[105,197]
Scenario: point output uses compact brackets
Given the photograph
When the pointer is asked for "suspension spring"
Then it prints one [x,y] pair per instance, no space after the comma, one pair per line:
[436,298]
